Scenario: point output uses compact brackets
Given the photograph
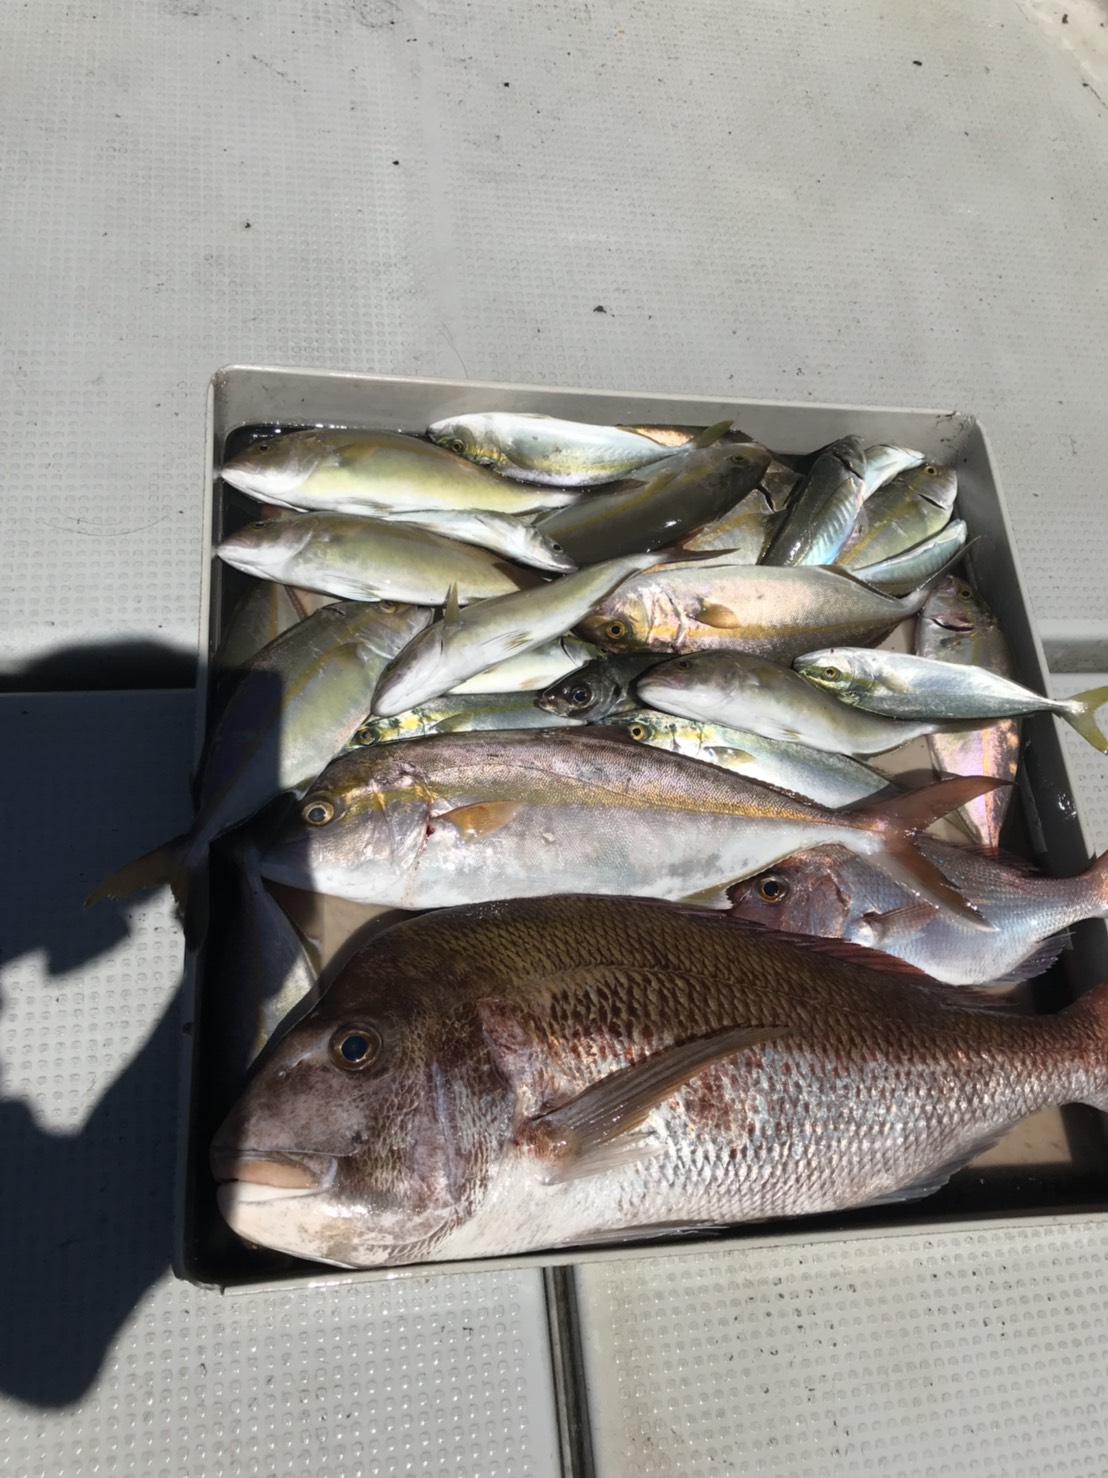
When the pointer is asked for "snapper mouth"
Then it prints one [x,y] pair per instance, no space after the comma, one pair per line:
[269,1175]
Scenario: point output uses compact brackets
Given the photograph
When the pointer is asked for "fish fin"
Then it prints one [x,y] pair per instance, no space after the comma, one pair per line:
[899,924]
[481,819]
[649,1233]
[1081,713]
[899,818]
[711,434]
[1041,958]
[933,1180]
[717,896]
[165,864]
[602,1126]
[452,608]
[734,756]
[847,951]
[713,614]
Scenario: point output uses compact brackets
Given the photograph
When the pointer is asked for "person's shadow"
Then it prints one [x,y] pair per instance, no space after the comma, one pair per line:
[91,780]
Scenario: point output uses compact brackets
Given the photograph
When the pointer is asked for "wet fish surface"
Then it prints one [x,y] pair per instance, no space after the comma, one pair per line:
[908,687]
[901,573]
[374,473]
[504,533]
[913,507]
[717,604]
[532,670]
[691,487]
[544,449]
[370,559]
[743,691]
[568,1071]
[465,818]
[881,463]
[824,509]
[455,713]
[829,779]
[833,895]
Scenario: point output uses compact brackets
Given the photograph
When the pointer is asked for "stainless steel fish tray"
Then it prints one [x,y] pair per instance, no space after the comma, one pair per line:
[1053,1165]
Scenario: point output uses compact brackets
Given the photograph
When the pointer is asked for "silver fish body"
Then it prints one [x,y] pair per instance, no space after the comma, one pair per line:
[716,604]
[824,509]
[881,463]
[374,473]
[570,1071]
[904,686]
[831,894]
[466,642]
[743,530]
[748,692]
[956,626]
[913,507]
[532,670]
[901,573]
[472,817]
[461,714]
[691,487]
[503,533]
[369,559]
[544,449]
[831,780]
[263,613]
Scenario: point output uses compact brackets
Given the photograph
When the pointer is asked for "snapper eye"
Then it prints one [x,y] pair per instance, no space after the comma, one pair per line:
[318,810]
[772,888]
[354,1048]
[616,630]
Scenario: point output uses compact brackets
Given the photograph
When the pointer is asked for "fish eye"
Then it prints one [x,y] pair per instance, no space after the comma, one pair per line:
[832,674]
[683,664]
[456,444]
[387,607]
[318,811]
[366,736]
[930,470]
[616,630]
[773,889]
[355,1047]
[580,695]
[557,548]
[263,446]
[637,731]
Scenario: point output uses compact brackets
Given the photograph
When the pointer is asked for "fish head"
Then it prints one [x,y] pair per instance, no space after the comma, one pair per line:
[581,694]
[276,467]
[845,673]
[953,605]
[366,815]
[803,894]
[544,553]
[646,727]
[265,549]
[939,485]
[620,621]
[369,1130]
[693,685]
[469,437]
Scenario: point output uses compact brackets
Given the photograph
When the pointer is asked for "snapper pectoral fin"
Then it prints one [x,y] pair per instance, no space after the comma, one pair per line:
[481,819]
[601,1129]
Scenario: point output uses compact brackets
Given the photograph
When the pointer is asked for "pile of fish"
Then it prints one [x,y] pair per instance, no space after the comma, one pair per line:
[604,699]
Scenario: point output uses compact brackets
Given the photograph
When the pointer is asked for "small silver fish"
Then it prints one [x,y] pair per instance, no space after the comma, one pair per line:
[823,510]
[834,895]
[901,573]
[374,473]
[829,779]
[369,559]
[914,506]
[543,449]
[956,626]
[747,692]
[467,641]
[902,686]
[454,714]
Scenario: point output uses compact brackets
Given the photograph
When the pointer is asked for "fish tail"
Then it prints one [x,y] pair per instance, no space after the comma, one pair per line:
[165,864]
[174,863]
[1088,1019]
[898,820]
[1081,711]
